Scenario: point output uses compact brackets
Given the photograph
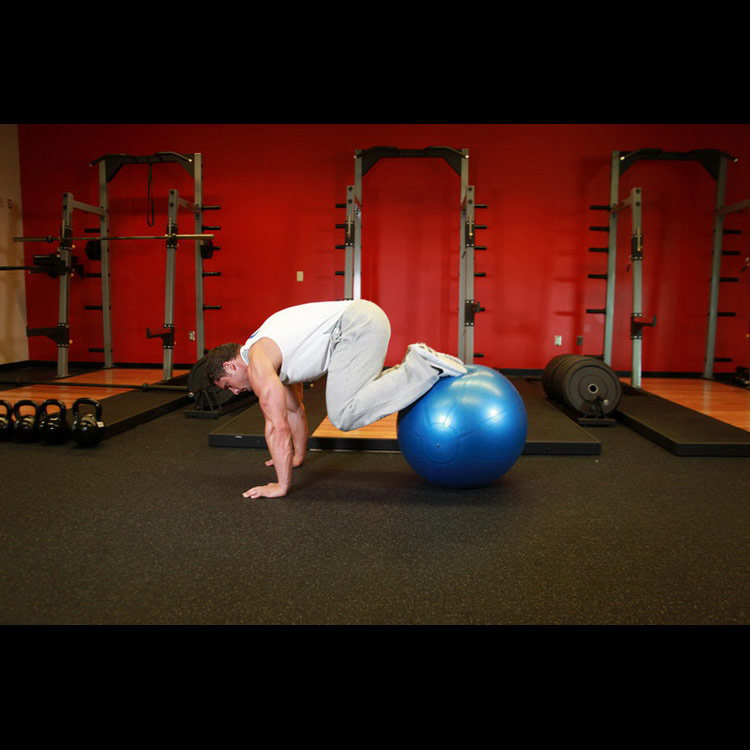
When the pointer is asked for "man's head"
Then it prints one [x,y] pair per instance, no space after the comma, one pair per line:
[225,369]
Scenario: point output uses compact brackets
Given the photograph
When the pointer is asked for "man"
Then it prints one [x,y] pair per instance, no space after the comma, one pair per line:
[345,339]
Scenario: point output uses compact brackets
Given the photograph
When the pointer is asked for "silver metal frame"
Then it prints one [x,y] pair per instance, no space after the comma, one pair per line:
[716,277]
[634,202]
[719,173]
[171,238]
[69,205]
[609,318]
[106,173]
[467,305]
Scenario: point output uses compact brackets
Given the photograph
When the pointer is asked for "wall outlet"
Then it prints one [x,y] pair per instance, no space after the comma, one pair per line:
[579,340]
[191,335]
[300,276]
[558,340]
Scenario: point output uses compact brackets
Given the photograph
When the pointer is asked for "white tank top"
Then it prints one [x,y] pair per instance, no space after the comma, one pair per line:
[303,334]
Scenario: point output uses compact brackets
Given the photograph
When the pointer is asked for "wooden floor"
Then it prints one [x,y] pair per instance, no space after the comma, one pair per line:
[69,392]
[726,403]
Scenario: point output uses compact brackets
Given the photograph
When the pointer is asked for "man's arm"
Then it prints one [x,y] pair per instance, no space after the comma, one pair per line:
[272,396]
[297,418]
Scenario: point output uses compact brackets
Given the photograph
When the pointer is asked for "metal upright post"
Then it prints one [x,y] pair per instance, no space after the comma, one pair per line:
[353,269]
[104,264]
[634,202]
[66,233]
[467,240]
[349,243]
[609,311]
[636,259]
[200,335]
[713,303]
[168,337]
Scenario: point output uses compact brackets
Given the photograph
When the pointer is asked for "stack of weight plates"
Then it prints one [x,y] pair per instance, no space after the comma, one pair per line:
[585,385]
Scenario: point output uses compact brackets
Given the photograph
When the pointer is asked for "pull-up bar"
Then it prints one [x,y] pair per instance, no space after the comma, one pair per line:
[369,156]
[113,162]
[710,158]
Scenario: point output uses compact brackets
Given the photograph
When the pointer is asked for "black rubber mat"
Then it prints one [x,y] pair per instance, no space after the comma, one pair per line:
[550,431]
[126,410]
[682,431]
[246,429]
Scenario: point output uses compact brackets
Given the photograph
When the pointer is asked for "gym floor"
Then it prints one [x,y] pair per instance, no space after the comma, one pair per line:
[150,528]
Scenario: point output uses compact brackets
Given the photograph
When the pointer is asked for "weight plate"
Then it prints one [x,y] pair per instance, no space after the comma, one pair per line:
[557,389]
[548,375]
[586,382]
[204,392]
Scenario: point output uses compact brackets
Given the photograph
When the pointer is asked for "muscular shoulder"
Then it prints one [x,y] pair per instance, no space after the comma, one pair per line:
[263,365]
[264,353]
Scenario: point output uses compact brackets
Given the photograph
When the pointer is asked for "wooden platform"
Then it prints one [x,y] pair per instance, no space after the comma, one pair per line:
[384,429]
[99,385]
[122,407]
[381,435]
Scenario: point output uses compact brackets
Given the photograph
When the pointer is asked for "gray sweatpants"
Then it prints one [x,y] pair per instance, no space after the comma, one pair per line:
[359,391]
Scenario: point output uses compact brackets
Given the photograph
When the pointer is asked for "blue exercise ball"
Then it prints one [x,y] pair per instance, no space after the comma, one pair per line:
[466,431]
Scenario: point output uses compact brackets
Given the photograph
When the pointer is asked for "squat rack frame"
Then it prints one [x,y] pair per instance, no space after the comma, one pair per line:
[715,162]
[721,212]
[458,160]
[108,166]
[635,202]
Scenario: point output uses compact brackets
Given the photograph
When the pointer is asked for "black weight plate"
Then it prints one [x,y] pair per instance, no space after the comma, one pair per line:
[587,381]
[548,375]
[198,383]
[557,389]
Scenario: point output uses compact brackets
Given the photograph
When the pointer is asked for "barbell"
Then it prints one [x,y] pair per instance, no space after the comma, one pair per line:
[52,238]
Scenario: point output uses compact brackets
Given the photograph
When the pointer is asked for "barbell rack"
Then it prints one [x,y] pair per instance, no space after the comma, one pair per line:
[715,163]
[98,249]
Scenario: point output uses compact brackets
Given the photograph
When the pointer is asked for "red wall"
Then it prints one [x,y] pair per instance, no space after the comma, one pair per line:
[278,186]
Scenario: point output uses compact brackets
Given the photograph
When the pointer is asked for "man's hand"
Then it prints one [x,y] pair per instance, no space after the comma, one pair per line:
[267,490]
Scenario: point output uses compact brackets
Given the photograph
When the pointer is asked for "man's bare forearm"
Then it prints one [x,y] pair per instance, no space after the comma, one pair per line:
[298,426]
[279,442]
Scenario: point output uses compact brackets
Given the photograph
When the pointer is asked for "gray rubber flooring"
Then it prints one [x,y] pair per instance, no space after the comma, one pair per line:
[150,528]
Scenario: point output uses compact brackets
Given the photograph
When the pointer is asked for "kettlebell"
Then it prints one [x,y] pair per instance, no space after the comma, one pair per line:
[26,426]
[87,429]
[6,421]
[53,428]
